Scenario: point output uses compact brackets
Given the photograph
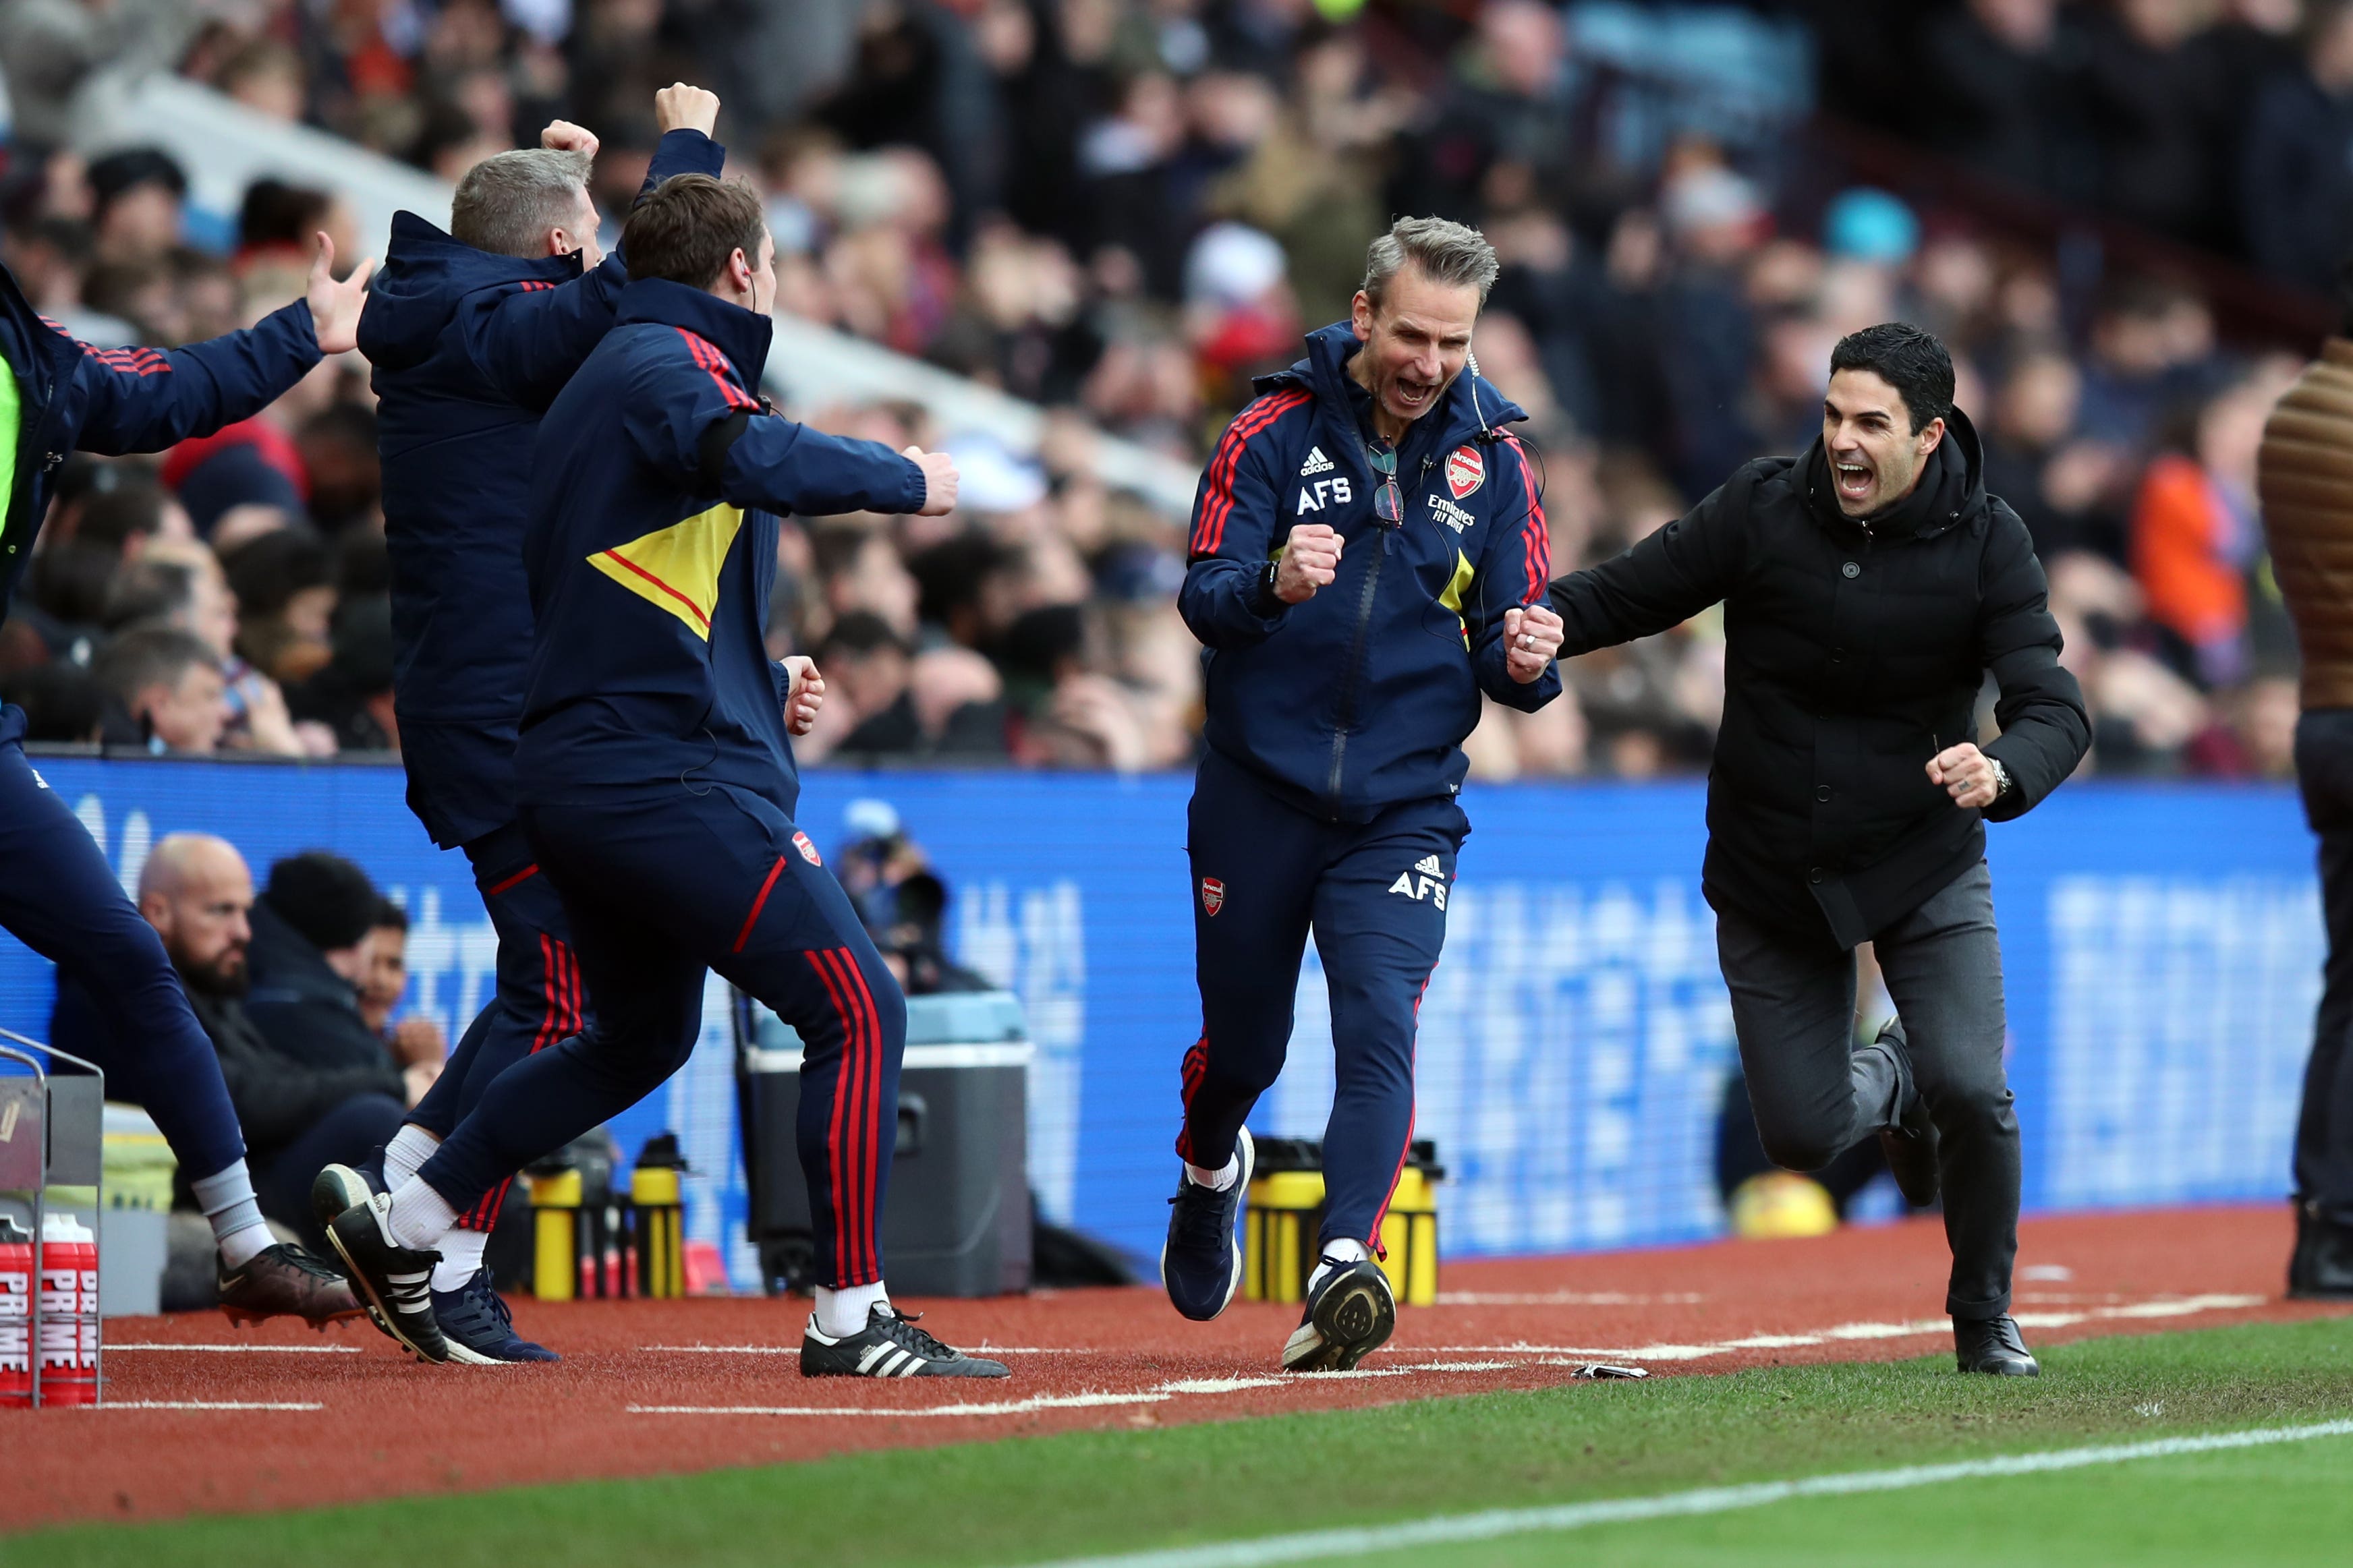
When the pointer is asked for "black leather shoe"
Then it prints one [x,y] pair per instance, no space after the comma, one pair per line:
[2322,1267]
[1992,1345]
[1911,1144]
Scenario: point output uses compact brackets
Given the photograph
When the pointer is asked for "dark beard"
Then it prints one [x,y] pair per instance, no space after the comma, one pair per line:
[213,983]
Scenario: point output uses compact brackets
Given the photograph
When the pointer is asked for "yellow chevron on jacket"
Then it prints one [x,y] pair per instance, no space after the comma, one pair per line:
[677,568]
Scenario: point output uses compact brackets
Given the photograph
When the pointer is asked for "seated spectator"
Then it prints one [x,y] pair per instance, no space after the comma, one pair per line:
[415,1040]
[351,696]
[296,1115]
[63,705]
[165,691]
[250,464]
[138,200]
[311,952]
[66,597]
[178,584]
[285,600]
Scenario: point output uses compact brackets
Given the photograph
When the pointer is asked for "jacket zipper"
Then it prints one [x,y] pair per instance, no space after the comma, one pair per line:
[1386,532]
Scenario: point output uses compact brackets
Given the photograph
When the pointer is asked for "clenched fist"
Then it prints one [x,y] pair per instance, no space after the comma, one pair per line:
[562,136]
[1531,641]
[678,106]
[1311,560]
[940,481]
[805,694]
[1966,774]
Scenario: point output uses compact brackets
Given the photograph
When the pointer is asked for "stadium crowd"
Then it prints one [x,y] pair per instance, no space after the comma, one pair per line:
[1124,209]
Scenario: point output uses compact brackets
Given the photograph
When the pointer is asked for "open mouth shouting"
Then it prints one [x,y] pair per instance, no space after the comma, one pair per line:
[1412,395]
[1855,480]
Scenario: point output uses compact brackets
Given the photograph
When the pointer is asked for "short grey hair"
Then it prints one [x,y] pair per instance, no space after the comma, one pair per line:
[507,202]
[1452,254]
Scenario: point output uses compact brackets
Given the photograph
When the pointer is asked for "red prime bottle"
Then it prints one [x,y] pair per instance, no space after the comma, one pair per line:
[67,1352]
[15,1315]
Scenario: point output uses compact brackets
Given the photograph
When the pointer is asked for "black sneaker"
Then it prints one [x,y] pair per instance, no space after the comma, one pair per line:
[2322,1267]
[474,1318]
[889,1346]
[1201,1262]
[341,1187]
[1992,1345]
[1911,1144]
[396,1281]
[284,1281]
[1350,1314]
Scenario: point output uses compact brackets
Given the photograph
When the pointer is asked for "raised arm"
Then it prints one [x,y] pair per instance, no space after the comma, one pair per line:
[146,399]
[1660,583]
[692,416]
[532,338]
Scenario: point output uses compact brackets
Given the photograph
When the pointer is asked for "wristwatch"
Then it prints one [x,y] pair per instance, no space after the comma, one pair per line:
[2001,781]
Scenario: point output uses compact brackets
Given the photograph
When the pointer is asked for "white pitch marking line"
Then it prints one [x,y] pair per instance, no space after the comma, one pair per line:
[1564,1299]
[2164,1307]
[197,1404]
[1001,1407]
[1497,1523]
[246,1350]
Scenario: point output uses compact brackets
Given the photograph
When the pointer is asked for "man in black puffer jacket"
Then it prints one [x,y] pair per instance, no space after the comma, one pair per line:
[1868,587]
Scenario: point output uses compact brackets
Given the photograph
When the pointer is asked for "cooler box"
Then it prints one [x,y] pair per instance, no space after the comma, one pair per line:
[1285,1212]
[955,1221]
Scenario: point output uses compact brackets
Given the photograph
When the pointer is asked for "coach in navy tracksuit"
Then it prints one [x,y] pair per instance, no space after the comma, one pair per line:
[58,895]
[472,335]
[1368,556]
[655,776]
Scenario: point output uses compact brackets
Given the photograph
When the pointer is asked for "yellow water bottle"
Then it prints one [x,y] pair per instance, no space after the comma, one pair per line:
[657,1194]
[556,1232]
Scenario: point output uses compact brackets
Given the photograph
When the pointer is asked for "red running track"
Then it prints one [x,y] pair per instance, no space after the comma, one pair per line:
[630,1400]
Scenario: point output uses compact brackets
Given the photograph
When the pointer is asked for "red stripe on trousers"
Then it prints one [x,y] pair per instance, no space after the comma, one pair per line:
[871,1176]
[758,904]
[1374,1240]
[834,1162]
[858,1145]
[1190,1072]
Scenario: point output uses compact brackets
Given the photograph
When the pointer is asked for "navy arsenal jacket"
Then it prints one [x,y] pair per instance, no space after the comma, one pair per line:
[652,548]
[1360,697]
[470,348]
[72,396]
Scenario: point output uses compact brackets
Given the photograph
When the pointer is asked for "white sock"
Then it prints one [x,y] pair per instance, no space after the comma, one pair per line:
[420,1216]
[461,1255]
[1220,1179]
[410,1147]
[226,1198]
[1337,1255]
[843,1312]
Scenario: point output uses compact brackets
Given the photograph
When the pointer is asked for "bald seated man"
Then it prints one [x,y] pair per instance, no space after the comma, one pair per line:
[195,890]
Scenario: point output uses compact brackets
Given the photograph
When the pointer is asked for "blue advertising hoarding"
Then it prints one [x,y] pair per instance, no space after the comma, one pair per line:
[2162,945]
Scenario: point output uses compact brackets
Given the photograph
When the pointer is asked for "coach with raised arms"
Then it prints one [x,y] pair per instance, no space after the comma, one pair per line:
[1868,587]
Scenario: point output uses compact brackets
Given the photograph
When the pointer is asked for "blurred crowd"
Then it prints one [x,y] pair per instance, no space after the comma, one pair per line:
[1123,209]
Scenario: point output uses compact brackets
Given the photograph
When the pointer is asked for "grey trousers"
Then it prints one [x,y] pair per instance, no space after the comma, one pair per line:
[1816,1096]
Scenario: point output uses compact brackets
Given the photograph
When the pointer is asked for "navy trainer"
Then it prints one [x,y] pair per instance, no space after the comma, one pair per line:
[474,1318]
[1201,1263]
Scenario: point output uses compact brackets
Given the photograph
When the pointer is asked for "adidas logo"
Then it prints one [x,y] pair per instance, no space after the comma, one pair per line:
[1316,463]
[1428,866]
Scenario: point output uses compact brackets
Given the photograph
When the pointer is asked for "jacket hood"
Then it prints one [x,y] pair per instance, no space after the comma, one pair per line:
[1906,519]
[1471,401]
[286,967]
[741,335]
[426,275]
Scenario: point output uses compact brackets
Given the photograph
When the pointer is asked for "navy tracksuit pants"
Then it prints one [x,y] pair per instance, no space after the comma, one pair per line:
[538,1001]
[1265,874]
[59,897]
[660,886]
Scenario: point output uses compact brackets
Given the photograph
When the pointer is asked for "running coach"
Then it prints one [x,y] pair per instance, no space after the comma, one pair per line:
[1368,556]
[655,780]
[1869,585]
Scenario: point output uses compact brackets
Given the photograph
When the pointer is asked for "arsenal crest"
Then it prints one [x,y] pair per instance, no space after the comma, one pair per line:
[808,850]
[1213,895]
[1465,471]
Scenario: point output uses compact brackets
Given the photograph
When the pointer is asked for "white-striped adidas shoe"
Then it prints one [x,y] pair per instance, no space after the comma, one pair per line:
[394,1281]
[888,1346]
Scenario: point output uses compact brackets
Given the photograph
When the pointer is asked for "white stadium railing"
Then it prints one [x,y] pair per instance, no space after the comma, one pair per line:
[225,146]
